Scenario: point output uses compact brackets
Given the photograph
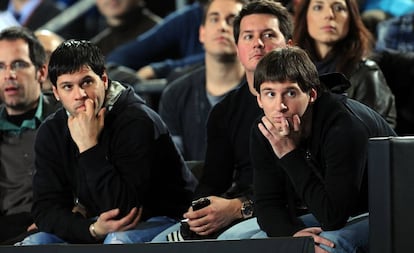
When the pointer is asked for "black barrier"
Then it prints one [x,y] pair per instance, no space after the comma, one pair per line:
[270,245]
[391,194]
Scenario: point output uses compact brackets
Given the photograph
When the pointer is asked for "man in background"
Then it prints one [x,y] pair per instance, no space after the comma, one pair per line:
[125,19]
[186,102]
[50,41]
[24,107]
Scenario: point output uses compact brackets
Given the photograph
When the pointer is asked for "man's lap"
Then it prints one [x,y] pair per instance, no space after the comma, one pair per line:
[241,230]
[144,232]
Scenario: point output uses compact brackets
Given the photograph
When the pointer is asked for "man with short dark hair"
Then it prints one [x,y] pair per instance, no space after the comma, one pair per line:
[309,153]
[107,169]
[22,72]
[186,102]
[227,178]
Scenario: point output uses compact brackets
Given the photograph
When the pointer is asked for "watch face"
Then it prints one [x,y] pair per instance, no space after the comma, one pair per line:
[247,209]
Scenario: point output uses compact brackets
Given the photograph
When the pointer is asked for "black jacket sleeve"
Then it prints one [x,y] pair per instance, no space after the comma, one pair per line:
[219,161]
[271,206]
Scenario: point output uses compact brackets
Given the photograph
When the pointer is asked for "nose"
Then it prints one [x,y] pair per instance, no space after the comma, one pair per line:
[258,43]
[224,25]
[280,105]
[329,13]
[79,93]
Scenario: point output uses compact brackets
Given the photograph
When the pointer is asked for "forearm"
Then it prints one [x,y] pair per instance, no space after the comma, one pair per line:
[61,221]
[108,189]
[163,68]
[271,196]
[219,164]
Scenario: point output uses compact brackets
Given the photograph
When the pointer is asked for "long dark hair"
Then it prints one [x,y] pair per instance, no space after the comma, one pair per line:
[349,51]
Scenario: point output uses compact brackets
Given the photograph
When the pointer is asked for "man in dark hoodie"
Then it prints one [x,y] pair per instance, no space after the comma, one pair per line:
[106,167]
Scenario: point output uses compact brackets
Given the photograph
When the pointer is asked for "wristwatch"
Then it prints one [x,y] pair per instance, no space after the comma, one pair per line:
[247,209]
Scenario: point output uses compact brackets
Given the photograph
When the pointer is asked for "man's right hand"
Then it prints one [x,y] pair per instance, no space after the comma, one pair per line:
[146,72]
[106,223]
[86,126]
[219,214]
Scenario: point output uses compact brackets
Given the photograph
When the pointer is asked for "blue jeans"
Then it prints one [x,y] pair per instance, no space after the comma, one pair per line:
[242,230]
[143,232]
[349,239]
[162,237]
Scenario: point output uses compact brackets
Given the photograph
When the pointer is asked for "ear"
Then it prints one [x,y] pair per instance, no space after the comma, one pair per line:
[201,34]
[289,42]
[105,79]
[313,94]
[56,93]
[259,100]
[42,73]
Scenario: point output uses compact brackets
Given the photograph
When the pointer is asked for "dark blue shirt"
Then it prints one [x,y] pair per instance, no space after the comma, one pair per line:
[171,44]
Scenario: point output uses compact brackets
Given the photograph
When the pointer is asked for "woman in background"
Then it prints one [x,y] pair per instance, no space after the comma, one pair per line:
[335,38]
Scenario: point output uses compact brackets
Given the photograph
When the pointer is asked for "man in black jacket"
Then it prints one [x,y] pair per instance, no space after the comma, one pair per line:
[309,153]
[260,27]
[106,167]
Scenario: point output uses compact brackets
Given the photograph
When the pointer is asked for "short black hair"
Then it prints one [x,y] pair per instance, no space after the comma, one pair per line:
[265,7]
[72,55]
[287,64]
[36,51]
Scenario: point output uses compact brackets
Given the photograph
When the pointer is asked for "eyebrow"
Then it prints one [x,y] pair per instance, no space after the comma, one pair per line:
[290,87]
[266,89]
[64,83]
[83,79]
[214,13]
[260,31]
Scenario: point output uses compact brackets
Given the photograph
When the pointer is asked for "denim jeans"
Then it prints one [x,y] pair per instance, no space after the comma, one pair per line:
[349,239]
[162,237]
[143,232]
[243,230]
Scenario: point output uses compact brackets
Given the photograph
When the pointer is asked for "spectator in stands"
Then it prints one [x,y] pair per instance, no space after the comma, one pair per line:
[125,19]
[172,43]
[333,35]
[22,72]
[396,34]
[50,41]
[376,11]
[309,152]
[33,13]
[261,26]
[186,102]
[107,169]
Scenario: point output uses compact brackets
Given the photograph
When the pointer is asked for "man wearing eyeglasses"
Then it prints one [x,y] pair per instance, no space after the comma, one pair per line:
[23,108]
